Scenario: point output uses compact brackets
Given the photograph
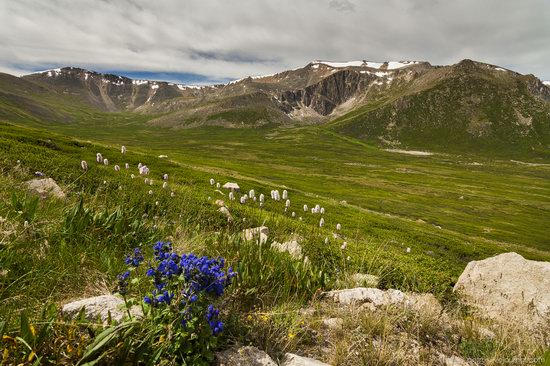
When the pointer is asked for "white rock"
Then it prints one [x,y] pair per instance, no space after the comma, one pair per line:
[100,307]
[45,187]
[508,288]
[293,247]
[260,233]
[452,360]
[244,356]
[295,360]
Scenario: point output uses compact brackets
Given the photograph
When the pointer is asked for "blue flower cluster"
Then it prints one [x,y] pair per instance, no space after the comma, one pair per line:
[122,286]
[216,325]
[135,259]
[183,280]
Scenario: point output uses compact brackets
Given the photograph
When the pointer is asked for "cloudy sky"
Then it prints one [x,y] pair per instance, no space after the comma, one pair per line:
[202,41]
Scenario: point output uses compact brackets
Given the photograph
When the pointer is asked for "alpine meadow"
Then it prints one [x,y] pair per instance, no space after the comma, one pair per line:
[334,213]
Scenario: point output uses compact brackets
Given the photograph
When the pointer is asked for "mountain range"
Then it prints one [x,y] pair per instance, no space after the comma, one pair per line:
[407,104]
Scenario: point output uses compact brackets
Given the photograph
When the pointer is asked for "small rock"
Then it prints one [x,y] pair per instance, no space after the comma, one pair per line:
[100,307]
[224,210]
[260,233]
[295,360]
[486,333]
[334,323]
[45,187]
[231,186]
[244,356]
[292,247]
[452,360]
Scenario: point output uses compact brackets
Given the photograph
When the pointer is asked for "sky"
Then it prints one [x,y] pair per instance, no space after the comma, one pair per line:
[210,41]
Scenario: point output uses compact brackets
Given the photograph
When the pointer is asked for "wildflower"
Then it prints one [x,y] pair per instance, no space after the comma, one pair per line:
[322,210]
[291,335]
[156,203]
[326,240]
[231,196]
[243,200]
[251,193]
[285,194]
[132,176]
[104,182]
[408,250]
[261,204]
[165,177]
[140,165]
[321,222]
[105,161]
[300,218]
[150,182]
[127,166]
[99,158]
[117,168]
[218,185]
[262,198]
[122,286]
[143,170]
[135,259]
[123,149]
[344,245]
[338,227]
[165,184]
[293,214]
[212,181]
[348,258]
[172,194]
[150,192]
[146,181]
[84,165]
[305,208]
[287,203]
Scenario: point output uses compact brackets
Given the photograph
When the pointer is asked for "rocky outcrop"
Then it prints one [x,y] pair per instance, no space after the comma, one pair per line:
[292,247]
[244,356]
[101,307]
[291,359]
[45,187]
[508,288]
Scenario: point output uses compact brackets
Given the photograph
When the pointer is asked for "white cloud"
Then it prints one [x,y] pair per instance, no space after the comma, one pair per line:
[220,39]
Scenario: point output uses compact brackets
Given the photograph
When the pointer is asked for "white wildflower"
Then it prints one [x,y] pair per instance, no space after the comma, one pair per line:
[305,208]
[262,198]
[117,168]
[84,165]
[322,210]
[140,165]
[172,194]
[218,185]
[150,192]
[146,180]
[105,161]
[338,227]
[344,245]
[165,184]
[212,181]
[165,177]
[132,176]
[99,158]
[293,214]
[326,240]
[123,149]
[231,196]
[285,194]
[408,250]
[156,203]
[251,193]
[321,222]
[287,203]
[104,182]
[127,166]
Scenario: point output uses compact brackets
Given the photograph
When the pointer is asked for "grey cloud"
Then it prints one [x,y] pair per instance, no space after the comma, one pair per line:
[342,5]
[222,39]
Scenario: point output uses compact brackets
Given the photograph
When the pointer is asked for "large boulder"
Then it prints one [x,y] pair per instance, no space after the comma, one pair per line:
[508,288]
[45,187]
[99,307]
[244,356]
[295,360]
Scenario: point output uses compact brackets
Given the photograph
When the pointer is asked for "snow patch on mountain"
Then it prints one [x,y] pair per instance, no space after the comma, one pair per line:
[391,65]
[546,82]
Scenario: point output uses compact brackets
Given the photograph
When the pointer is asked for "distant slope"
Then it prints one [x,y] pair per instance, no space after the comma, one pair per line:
[469,105]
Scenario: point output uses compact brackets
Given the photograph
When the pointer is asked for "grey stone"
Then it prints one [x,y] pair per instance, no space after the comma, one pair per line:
[259,233]
[291,359]
[45,187]
[244,356]
[100,307]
